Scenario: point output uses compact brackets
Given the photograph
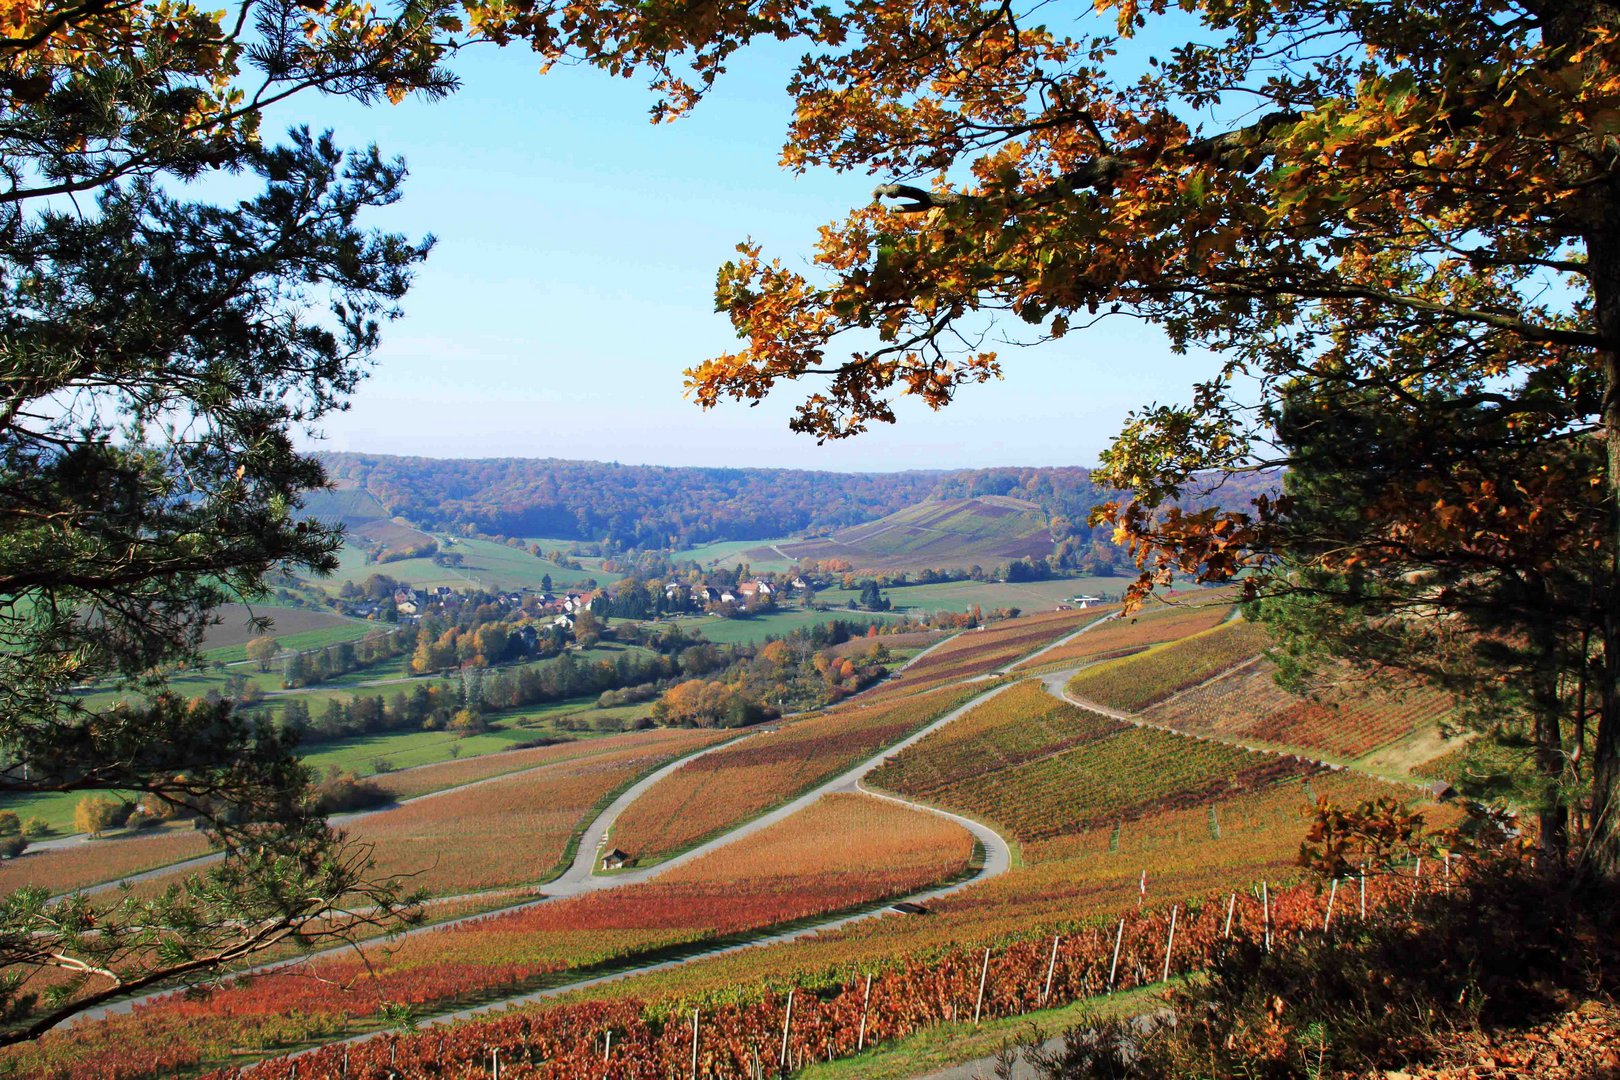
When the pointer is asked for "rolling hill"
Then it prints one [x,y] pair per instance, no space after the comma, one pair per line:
[366,522]
[985,529]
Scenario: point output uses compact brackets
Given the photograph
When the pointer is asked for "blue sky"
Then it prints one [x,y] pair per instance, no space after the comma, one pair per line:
[573,282]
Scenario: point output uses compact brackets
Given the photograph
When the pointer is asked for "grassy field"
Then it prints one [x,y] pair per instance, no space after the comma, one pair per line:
[775,624]
[295,628]
[1030,596]
[485,564]
[728,553]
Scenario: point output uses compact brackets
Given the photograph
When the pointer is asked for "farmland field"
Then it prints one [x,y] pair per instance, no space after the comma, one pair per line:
[485,564]
[728,553]
[955,596]
[1135,682]
[1065,884]
[1122,636]
[975,653]
[1247,704]
[295,628]
[842,852]
[1041,768]
[512,831]
[90,862]
[769,767]
[757,628]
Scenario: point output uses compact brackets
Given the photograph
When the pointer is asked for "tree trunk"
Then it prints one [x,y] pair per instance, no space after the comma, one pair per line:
[1604,849]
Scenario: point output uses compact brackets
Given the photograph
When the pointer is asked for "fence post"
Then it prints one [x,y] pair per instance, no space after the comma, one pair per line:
[1051,966]
[1231,907]
[866,1000]
[1119,936]
[1170,942]
[787,1019]
[984,974]
[1265,911]
[694,1044]
[1327,920]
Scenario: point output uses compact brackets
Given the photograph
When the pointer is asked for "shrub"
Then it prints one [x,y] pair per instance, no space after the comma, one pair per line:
[12,845]
[339,791]
[95,814]
[10,823]
[36,827]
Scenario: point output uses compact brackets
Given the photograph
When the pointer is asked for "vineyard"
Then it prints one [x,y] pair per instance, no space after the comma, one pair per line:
[786,1028]
[1015,726]
[1121,637]
[409,783]
[975,653]
[1093,770]
[838,854]
[1068,878]
[1248,704]
[90,862]
[1135,682]
[504,832]
[1109,816]
[721,790]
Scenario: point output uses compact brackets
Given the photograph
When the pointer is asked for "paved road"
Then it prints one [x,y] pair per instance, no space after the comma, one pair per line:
[1027,661]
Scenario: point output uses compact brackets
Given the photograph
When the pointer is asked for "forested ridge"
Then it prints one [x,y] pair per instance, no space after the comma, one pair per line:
[649,506]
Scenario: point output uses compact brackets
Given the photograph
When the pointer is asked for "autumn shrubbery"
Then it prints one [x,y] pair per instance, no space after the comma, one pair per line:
[1503,949]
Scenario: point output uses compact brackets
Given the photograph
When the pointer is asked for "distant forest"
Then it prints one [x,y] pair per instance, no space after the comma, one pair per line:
[647,506]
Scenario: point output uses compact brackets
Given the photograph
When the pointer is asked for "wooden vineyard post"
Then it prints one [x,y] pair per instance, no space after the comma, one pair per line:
[1231,908]
[495,1063]
[1119,937]
[1170,942]
[1051,966]
[1327,920]
[694,1044]
[866,1001]
[1265,911]
[984,975]
[1448,873]
[1141,891]
[787,1019]
[1364,892]
[343,1069]
[607,1046]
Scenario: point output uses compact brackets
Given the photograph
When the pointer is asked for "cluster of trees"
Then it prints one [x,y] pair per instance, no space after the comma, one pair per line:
[462,703]
[794,672]
[313,666]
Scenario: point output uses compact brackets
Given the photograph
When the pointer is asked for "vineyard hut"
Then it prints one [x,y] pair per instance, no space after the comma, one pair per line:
[616,859]
[910,907]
